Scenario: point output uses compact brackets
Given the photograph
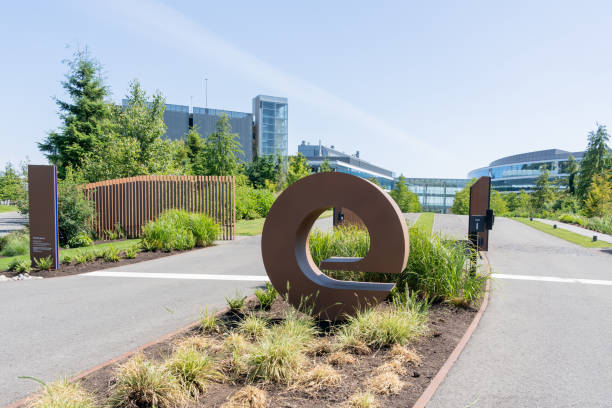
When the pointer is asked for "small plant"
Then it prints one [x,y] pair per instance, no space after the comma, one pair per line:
[111,235]
[193,369]
[362,399]
[236,303]
[111,254]
[340,358]
[44,264]
[21,266]
[253,326]
[408,356]
[120,232]
[131,252]
[394,366]
[62,394]
[140,383]
[80,258]
[385,383]
[248,397]
[320,376]
[266,297]
[66,259]
[91,256]
[80,240]
[209,322]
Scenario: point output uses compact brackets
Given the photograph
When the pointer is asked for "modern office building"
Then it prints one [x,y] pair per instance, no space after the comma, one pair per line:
[271,125]
[436,195]
[521,171]
[205,121]
[346,163]
[263,132]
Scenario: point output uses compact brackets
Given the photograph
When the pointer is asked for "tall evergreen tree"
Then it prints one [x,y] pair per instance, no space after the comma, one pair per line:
[595,160]
[544,192]
[221,152]
[572,170]
[598,202]
[194,144]
[406,200]
[262,168]
[325,166]
[85,117]
[298,168]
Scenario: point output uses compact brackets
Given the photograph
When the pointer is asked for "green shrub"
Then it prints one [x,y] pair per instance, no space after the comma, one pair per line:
[236,303]
[266,297]
[179,230]
[130,253]
[253,203]
[75,212]
[21,266]
[44,264]
[16,243]
[66,259]
[80,258]
[111,254]
[80,240]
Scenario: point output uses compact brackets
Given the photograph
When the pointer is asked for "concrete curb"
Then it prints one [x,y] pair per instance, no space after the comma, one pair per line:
[450,361]
[22,402]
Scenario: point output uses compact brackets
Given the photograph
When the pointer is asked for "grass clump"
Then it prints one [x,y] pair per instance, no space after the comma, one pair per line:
[209,322]
[266,297]
[248,397]
[362,399]
[111,254]
[179,230]
[20,266]
[193,369]
[14,244]
[394,366]
[236,303]
[319,347]
[385,383]
[318,377]
[340,358]
[376,328]
[44,264]
[253,326]
[63,394]
[403,354]
[131,252]
[140,383]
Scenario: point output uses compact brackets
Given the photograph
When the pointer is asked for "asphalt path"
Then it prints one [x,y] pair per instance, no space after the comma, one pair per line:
[11,221]
[578,230]
[61,326]
[541,343]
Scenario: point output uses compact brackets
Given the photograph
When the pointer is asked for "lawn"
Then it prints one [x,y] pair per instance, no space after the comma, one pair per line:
[425,222]
[566,235]
[7,208]
[119,245]
[254,227]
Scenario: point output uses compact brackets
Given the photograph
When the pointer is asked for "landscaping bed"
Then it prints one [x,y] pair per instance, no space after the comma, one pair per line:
[445,326]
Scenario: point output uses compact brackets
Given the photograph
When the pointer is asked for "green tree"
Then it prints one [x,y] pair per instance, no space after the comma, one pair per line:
[406,200]
[85,117]
[194,144]
[75,212]
[498,204]
[298,168]
[544,192]
[374,180]
[262,171]
[461,203]
[142,120]
[12,185]
[598,202]
[325,166]
[221,151]
[511,200]
[595,160]
[572,170]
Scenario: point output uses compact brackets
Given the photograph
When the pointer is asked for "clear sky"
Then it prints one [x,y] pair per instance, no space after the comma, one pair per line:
[427,89]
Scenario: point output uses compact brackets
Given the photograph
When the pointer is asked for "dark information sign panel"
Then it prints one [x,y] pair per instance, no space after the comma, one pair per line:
[42,191]
[480,197]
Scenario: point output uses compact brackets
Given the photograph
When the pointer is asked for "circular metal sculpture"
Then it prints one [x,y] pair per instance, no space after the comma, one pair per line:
[286,254]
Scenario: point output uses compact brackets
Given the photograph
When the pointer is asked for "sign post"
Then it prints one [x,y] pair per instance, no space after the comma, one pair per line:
[480,198]
[42,193]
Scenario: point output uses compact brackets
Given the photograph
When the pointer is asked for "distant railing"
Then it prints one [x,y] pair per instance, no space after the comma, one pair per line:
[129,203]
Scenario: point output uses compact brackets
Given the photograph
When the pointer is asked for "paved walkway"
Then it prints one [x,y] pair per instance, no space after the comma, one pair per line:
[543,342]
[61,326]
[11,221]
[411,217]
[578,230]
[451,225]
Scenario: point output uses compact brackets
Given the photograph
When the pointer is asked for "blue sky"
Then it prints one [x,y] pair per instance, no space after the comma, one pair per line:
[427,89]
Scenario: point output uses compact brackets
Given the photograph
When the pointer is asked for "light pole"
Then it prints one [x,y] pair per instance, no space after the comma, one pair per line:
[206,92]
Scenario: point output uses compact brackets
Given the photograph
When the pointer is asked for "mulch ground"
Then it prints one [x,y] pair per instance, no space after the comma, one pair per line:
[98,264]
[447,324]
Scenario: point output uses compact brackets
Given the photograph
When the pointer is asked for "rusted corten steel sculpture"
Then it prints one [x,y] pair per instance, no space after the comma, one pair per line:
[480,198]
[345,217]
[286,253]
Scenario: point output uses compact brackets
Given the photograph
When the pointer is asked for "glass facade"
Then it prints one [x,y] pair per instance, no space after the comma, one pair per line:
[520,172]
[436,195]
[271,125]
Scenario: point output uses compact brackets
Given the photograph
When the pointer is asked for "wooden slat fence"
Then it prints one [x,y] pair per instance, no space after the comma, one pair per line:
[131,202]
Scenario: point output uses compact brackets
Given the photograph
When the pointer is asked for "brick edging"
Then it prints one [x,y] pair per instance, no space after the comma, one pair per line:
[450,361]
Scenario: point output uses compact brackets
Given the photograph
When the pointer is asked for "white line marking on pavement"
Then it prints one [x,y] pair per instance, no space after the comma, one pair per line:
[119,274]
[553,279]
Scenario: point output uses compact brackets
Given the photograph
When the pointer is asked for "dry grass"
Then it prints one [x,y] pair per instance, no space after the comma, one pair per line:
[253,326]
[385,384]
[407,355]
[394,366]
[319,377]
[62,394]
[199,343]
[319,347]
[353,344]
[140,383]
[362,399]
[341,358]
[248,397]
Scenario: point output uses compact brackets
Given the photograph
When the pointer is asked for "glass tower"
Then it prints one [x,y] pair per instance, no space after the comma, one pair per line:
[271,127]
